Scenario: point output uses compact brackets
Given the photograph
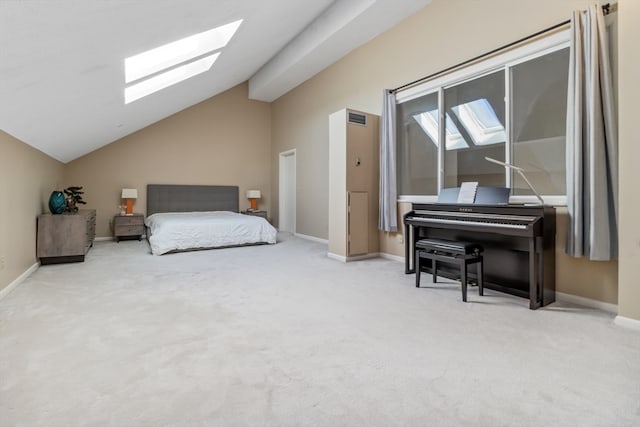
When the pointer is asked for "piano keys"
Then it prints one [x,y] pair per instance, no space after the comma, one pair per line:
[518,241]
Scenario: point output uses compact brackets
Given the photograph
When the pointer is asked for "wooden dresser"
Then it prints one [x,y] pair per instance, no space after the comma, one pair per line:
[131,226]
[66,237]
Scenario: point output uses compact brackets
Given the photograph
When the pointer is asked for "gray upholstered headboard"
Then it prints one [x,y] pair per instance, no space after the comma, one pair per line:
[191,198]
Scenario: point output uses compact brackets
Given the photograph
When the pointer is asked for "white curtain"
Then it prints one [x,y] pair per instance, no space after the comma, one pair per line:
[388,217]
[592,158]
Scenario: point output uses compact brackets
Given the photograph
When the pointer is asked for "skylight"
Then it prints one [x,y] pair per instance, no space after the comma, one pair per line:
[166,79]
[143,70]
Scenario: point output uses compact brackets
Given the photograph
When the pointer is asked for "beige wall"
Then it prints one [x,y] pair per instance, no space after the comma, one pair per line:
[27,178]
[442,34]
[224,140]
[629,70]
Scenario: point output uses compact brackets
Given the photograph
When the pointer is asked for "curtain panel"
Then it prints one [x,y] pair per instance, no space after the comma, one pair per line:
[388,216]
[592,158]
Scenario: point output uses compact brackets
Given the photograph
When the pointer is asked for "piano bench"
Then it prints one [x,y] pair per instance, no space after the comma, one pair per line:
[453,252]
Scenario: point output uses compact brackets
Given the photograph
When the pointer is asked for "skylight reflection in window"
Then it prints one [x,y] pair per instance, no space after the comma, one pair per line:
[428,121]
[481,122]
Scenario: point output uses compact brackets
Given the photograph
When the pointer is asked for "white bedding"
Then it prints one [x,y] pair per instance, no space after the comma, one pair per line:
[194,230]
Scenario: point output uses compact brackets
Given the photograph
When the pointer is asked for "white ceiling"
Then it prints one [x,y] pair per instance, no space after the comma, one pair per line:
[62,62]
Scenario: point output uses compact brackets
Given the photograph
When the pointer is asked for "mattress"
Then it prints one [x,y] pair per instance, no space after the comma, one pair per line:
[177,231]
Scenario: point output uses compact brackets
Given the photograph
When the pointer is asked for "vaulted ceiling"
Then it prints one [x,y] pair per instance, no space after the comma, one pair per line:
[62,62]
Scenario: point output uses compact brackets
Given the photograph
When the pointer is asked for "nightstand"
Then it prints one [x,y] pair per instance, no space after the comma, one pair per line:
[128,226]
[263,214]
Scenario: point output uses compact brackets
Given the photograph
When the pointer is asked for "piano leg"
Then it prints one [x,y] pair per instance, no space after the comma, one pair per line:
[480,277]
[534,298]
[540,282]
[409,245]
[463,280]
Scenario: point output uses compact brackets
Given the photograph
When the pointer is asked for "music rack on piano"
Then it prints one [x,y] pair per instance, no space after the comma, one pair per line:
[518,241]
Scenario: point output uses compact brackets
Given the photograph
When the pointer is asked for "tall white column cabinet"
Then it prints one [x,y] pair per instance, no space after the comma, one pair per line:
[353,184]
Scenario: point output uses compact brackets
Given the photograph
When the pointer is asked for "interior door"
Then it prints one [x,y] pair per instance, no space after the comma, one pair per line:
[287,192]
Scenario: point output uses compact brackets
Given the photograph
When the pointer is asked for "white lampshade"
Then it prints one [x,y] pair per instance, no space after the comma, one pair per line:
[253,194]
[129,193]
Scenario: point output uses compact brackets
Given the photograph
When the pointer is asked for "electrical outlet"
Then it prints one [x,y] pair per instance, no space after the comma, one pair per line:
[1,263]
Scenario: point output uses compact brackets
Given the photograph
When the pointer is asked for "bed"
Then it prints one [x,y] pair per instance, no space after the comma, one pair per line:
[191,217]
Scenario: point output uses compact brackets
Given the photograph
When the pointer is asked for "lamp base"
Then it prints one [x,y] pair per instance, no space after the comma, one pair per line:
[129,207]
[254,204]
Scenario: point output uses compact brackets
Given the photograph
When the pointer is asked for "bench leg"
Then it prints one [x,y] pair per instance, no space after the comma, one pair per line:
[416,263]
[463,279]
[434,269]
[480,277]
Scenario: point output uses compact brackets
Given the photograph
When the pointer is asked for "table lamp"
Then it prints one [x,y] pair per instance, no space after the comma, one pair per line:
[253,196]
[129,194]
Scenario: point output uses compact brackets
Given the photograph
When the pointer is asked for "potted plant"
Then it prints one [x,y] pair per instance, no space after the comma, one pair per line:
[74,198]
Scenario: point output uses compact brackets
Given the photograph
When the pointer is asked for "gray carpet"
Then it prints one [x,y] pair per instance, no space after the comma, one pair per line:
[283,336]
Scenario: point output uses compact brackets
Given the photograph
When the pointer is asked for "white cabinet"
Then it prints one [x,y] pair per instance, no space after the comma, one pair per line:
[353,184]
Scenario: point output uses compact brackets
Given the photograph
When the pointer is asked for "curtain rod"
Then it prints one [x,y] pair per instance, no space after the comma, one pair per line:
[606,8]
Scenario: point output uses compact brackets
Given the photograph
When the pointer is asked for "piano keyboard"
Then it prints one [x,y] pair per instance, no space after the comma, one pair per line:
[481,216]
[470,222]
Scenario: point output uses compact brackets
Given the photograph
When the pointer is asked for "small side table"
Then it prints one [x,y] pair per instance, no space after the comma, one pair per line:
[262,214]
[129,226]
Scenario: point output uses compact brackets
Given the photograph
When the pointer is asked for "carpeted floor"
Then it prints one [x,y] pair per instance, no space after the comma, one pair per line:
[283,336]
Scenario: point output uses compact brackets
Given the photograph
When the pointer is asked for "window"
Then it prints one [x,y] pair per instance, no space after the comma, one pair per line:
[418,156]
[539,112]
[511,107]
[477,106]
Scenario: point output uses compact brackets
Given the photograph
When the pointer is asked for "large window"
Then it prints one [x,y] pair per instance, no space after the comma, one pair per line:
[418,155]
[476,108]
[539,113]
[513,110]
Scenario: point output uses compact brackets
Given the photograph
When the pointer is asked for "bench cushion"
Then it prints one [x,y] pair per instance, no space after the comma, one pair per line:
[449,246]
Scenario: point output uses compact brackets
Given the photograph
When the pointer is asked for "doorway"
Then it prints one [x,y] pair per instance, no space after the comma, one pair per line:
[287,191]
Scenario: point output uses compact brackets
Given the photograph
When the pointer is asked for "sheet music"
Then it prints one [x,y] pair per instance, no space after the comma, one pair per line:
[467,192]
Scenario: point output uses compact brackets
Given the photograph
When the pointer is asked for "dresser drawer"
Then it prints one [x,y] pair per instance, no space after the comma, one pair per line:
[129,230]
[129,220]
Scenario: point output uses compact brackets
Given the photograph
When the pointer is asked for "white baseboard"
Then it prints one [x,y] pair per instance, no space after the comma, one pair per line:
[627,322]
[367,256]
[11,286]
[391,257]
[587,302]
[312,238]
[361,257]
[352,258]
[337,257]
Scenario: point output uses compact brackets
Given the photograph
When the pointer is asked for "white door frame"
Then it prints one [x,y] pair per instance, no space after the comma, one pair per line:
[285,176]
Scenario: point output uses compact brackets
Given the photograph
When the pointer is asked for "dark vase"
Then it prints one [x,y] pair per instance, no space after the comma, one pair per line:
[57,203]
